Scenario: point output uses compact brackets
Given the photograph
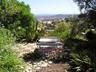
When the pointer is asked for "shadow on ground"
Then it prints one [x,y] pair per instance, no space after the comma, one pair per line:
[36,56]
[33,57]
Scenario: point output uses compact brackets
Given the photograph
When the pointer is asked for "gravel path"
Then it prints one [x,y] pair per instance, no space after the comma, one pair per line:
[41,66]
[55,68]
[23,48]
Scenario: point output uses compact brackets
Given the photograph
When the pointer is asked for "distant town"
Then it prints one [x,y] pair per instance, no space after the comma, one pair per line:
[49,22]
[53,17]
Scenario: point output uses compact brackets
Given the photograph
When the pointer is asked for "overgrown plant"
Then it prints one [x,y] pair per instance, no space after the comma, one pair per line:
[16,17]
[62,30]
[9,62]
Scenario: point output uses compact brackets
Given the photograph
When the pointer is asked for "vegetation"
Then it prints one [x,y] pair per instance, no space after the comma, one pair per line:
[78,35]
[86,4]
[62,30]
[41,30]
[16,17]
[83,53]
[16,24]
[88,11]
[9,62]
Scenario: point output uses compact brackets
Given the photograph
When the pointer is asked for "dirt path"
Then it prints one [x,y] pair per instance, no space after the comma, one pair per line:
[55,68]
[41,66]
[24,48]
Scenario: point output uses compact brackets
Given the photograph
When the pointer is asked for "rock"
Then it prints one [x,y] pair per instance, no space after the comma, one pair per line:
[44,65]
[50,62]
[28,69]
[24,48]
[38,68]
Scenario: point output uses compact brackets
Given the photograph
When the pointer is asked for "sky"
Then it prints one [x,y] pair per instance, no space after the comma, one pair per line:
[52,6]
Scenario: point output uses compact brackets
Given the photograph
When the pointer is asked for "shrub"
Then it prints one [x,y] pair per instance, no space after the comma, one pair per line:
[9,62]
[83,55]
[62,30]
[16,17]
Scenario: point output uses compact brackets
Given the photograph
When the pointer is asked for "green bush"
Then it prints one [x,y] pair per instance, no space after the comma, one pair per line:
[9,62]
[6,38]
[83,55]
[17,17]
[62,30]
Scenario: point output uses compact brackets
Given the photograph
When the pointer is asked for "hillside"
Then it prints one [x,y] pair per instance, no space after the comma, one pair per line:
[55,16]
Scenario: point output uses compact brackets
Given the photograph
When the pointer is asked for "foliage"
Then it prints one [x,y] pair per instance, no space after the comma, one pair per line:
[79,26]
[62,30]
[16,17]
[82,45]
[88,12]
[86,4]
[83,54]
[41,29]
[9,62]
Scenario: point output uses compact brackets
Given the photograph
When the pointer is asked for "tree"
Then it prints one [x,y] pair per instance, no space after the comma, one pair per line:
[86,4]
[83,52]
[17,17]
[88,11]
[62,30]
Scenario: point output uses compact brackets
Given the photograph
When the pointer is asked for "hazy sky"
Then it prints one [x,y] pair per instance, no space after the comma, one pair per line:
[52,6]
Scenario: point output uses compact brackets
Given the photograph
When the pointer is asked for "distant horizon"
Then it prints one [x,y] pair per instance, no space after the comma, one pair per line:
[56,14]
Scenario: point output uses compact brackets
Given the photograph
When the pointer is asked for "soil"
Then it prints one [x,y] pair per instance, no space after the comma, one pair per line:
[30,47]
[55,68]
